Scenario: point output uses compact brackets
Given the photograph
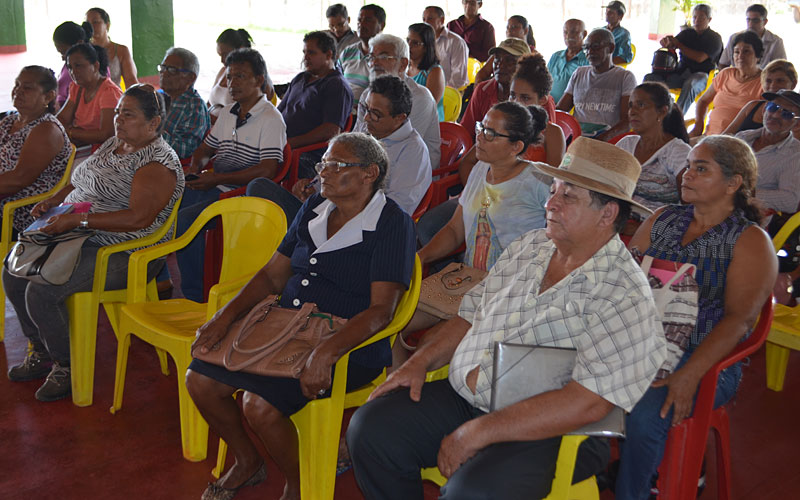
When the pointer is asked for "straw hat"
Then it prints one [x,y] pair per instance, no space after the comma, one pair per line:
[601,167]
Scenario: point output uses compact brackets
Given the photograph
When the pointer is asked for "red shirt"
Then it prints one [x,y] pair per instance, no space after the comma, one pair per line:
[479,36]
[483,98]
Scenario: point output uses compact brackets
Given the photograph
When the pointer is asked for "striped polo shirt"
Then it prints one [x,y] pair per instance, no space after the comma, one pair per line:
[241,144]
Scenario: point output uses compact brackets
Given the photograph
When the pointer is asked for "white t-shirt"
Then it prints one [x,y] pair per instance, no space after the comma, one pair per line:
[658,182]
[596,96]
[496,214]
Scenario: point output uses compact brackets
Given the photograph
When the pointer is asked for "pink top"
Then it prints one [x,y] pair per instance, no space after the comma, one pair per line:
[87,114]
[730,99]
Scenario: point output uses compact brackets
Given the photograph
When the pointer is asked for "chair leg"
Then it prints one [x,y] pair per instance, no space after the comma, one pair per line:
[777,361]
[721,426]
[162,360]
[83,308]
[222,452]
[319,427]
[2,311]
[123,347]
[194,429]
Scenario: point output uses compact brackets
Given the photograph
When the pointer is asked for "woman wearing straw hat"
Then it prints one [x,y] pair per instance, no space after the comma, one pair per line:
[718,232]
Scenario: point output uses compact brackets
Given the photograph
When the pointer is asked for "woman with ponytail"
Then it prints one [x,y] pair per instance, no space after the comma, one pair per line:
[228,41]
[503,199]
[718,231]
[64,37]
[660,143]
[34,148]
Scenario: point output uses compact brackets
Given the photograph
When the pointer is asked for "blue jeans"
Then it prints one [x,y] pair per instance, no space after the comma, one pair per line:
[691,85]
[646,434]
[190,258]
[269,190]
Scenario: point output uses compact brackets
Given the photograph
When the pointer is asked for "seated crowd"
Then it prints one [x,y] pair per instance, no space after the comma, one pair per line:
[350,154]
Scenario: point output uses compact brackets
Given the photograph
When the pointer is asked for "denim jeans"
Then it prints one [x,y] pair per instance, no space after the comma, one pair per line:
[191,257]
[42,309]
[269,190]
[646,434]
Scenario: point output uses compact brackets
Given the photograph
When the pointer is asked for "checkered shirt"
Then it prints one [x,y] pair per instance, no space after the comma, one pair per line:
[187,123]
[604,309]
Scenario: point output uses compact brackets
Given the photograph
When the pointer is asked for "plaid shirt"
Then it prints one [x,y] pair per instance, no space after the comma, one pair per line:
[187,123]
[604,309]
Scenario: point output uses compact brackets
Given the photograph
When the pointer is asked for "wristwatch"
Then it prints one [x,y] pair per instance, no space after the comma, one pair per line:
[84,224]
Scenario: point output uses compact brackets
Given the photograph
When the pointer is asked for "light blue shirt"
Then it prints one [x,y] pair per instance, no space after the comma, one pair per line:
[410,171]
[622,44]
[561,70]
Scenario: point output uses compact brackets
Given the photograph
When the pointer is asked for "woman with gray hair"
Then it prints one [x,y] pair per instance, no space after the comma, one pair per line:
[350,250]
[718,232]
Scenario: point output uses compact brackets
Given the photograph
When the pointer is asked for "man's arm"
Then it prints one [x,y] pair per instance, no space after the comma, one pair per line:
[543,416]
[622,126]
[565,103]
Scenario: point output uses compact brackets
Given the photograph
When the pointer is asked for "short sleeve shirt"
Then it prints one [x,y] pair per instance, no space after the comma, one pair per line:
[778,173]
[596,95]
[731,97]
[241,144]
[338,273]
[494,215]
[622,44]
[355,71]
[306,106]
[187,123]
[561,70]
[709,42]
[657,184]
[483,98]
[479,36]
[87,114]
[604,309]
[106,180]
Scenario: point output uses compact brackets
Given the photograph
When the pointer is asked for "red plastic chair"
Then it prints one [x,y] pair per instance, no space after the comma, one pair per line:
[280,175]
[424,204]
[456,141]
[440,186]
[570,126]
[291,179]
[616,139]
[686,444]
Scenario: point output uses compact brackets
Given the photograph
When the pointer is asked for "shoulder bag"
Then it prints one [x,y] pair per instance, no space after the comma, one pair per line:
[46,259]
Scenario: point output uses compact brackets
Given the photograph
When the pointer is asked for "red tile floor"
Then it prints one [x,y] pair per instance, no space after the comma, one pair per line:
[57,450]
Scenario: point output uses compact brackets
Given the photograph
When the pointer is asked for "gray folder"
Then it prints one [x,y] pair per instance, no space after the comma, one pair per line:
[522,371]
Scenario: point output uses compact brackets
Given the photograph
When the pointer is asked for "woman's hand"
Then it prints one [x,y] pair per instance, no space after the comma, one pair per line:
[211,333]
[682,386]
[58,224]
[303,189]
[43,206]
[411,374]
[316,376]
[205,181]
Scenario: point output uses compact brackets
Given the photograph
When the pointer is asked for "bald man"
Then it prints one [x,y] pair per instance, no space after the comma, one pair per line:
[564,62]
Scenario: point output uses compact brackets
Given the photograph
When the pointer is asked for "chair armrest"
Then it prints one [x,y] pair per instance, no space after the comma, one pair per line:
[219,294]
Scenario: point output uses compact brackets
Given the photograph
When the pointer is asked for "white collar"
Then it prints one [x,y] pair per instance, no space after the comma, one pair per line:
[351,233]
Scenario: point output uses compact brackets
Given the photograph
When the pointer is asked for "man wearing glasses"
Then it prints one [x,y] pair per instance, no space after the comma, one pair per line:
[757,22]
[187,117]
[388,55]
[599,92]
[474,29]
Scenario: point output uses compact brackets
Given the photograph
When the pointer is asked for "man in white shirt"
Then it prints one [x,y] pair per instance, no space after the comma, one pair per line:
[756,22]
[388,106]
[550,287]
[599,92]
[451,48]
[389,56]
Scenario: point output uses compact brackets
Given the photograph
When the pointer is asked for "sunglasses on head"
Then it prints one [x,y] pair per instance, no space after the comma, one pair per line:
[147,88]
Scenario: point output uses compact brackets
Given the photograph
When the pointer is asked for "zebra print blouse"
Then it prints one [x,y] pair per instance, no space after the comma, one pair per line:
[105,179]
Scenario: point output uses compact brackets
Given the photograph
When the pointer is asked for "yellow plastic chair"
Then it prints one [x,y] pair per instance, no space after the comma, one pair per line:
[84,307]
[473,66]
[452,104]
[252,228]
[785,332]
[8,227]
[633,58]
[676,93]
[319,423]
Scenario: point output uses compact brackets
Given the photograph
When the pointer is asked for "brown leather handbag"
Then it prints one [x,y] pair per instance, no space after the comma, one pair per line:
[272,340]
[440,294]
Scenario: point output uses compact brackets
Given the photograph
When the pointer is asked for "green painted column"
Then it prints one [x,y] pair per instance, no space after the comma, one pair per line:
[12,33]
[153,33]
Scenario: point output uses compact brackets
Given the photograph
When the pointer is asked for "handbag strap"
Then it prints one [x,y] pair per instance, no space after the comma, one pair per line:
[647,263]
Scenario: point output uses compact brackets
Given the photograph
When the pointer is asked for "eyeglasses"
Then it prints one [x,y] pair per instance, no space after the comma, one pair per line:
[414,43]
[172,70]
[336,166]
[488,133]
[383,57]
[147,88]
[773,107]
[587,47]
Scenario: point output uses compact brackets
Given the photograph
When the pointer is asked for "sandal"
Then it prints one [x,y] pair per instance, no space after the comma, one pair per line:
[216,492]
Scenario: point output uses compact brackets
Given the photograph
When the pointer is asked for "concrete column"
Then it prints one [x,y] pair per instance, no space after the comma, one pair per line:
[662,18]
[12,33]
[153,33]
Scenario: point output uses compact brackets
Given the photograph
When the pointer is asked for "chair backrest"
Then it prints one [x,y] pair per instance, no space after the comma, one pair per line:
[452,104]
[456,141]
[616,139]
[473,66]
[570,126]
[280,175]
[439,189]
[424,203]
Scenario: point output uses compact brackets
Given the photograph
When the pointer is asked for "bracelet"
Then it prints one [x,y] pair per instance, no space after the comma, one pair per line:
[84,224]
